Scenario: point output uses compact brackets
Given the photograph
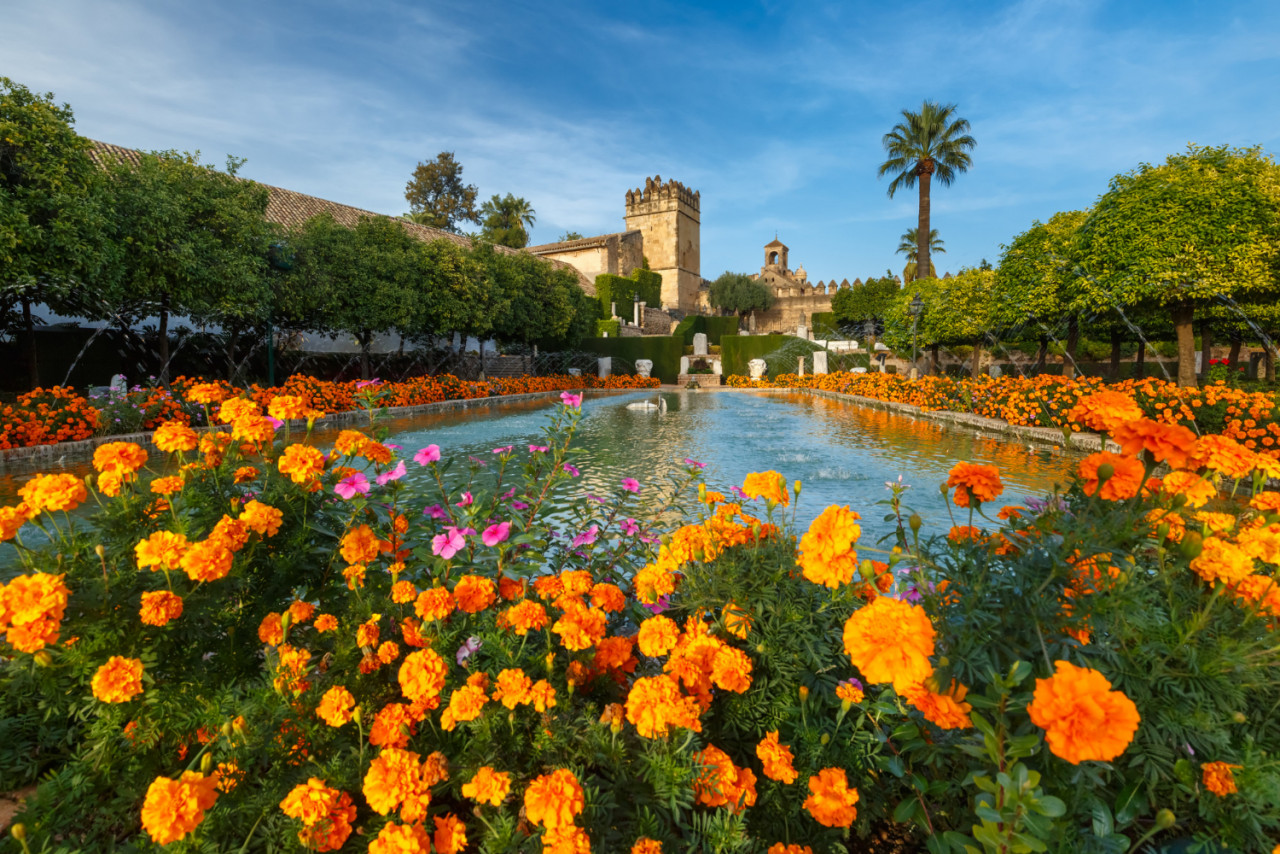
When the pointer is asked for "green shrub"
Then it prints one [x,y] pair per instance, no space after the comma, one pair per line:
[642,285]
[714,327]
[781,353]
[663,350]
[611,328]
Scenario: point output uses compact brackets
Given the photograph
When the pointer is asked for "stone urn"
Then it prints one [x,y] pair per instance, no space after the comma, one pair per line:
[757,367]
[644,367]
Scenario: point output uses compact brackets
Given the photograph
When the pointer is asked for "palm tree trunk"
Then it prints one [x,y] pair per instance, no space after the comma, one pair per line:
[934,368]
[1183,317]
[977,360]
[925,171]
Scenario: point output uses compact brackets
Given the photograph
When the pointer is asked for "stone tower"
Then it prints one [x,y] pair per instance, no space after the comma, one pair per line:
[668,216]
[775,256]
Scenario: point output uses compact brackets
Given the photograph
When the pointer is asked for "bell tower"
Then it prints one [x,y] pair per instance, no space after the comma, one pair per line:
[775,256]
[668,216]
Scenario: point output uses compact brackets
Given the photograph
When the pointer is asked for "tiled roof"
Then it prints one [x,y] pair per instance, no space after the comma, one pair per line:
[291,209]
[580,243]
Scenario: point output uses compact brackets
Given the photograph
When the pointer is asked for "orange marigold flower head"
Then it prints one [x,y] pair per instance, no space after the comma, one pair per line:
[12,519]
[174,808]
[613,653]
[326,814]
[1082,717]
[350,442]
[510,589]
[777,759]
[166,485]
[645,845]
[1104,411]
[889,640]
[206,393]
[393,778]
[524,616]
[401,839]
[1125,480]
[1267,502]
[238,408]
[655,704]
[388,651]
[1197,489]
[159,607]
[360,545]
[271,629]
[513,688]
[392,726]
[302,463]
[488,786]
[1224,455]
[174,436]
[542,695]
[1222,561]
[207,560]
[162,550]
[53,492]
[261,518]
[731,669]
[831,801]
[326,623]
[474,593]
[769,485]
[119,680]
[231,533]
[301,611]
[827,555]
[336,706]
[576,582]
[31,610]
[946,709]
[789,848]
[435,603]
[974,483]
[850,691]
[422,675]
[245,474]
[552,800]
[548,587]
[658,636]
[581,628]
[465,704]
[737,621]
[121,458]
[451,834]
[1170,443]
[721,783]
[965,534]
[1218,778]
[566,839]
[608,598]
[286,407]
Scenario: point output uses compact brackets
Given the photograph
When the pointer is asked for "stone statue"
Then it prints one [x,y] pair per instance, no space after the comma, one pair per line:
[757,367]
[643,367]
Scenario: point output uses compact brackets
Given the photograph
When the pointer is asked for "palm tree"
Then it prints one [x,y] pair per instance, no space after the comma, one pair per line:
[924,145]
[910,247]
[506,220]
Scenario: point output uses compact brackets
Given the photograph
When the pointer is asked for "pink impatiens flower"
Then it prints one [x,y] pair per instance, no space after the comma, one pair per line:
[448,544]
[435,511]
[573,401]
[349,486]
[538,449]
[395,474]
[504,450]
[429,454]
[630,527]
[587,537]
[572,470]
[467,500]
[630,484]
[495,534]
[694,463]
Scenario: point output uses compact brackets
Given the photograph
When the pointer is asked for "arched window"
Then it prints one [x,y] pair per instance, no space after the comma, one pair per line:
[773,257]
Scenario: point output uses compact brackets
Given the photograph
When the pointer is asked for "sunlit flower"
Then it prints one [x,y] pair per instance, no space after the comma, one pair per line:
[974,483]
[890,640]
[119,680]
[488,786]
[946,709]
[1082,717]
[552,800]
[831,801]
[769,485]
[336,706]
[159,607]
[826,553]
[1217,778]
[174,808]
[1124,482]
[777,759]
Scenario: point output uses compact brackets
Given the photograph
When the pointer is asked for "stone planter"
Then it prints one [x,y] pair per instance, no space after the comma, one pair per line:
[703,380]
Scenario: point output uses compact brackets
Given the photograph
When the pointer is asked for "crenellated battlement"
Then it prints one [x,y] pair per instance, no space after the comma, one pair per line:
[657,190]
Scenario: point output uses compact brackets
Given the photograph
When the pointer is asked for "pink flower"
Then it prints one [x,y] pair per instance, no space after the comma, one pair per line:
[630,527]
[737,491]
[573,401]
[395,474]
[505,450]
[393,447]
[366,383]
[572,470]
[538,449]
[429,454]
[694,463]
[630,484]
[448,544]
[509,493]
[467,500]
[350,485]
[275,422]
[495,534]
[435,511]
[519,505]
[587,537]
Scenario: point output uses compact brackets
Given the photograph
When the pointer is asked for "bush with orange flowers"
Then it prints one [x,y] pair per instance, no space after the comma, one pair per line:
[269,652]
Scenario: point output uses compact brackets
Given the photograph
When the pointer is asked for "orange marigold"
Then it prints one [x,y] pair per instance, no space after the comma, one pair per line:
[392,726]
[658,636]
[655,704]
[465,704]
[946,709]
[488,786]
[1170,443]
[831,801]
[827,555]
[890,641]
[119,680]
[524,616]
[326,814]
[159,607]
[262,518]
[974,483]
[1082,717]
[208,560]
[552,800]
[474,593]
[302,463]
[53,492]
[360,545]
[1222,561]
[286,407]
[326,623]
[566,839]
[174,808]
[121,458]
[450,836]
[1197,489]
[1224,455]
[513,688]
[1218,778]
[336,706]
[721,783]
[271,629]
[174,436]
[608,598]
[580,628]
[731,669]
[11,521]
[31,610]
[769,485]
[1125,479]
[393,778]
[777,759]
[162,550]
[422,675]
[791,848]
[645,845]
[1105,410]
[401,839]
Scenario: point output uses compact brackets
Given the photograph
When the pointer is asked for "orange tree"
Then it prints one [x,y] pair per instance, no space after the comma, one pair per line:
[1202,227]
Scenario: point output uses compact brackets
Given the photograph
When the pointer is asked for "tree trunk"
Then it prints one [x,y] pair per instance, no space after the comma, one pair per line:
[231,355]
[1183,317]
[934,368]
[1042,355]
[164,341]
[976,368]
[366,340]
[1073,341]
[1269,361]
[1115,354]
[29,330]
[1206,347]
[925,173]
[1140,364]
[1234,357]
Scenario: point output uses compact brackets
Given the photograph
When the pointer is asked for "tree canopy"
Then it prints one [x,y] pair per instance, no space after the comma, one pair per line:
[740,294]
[866,303]
[505,220]
[438,198]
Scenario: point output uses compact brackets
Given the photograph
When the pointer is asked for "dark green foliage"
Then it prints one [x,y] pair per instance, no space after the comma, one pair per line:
[607,328]
[869,302]
[823,324]
[534,301]
[663,350]
[780,352]
[505,220]
[641,286]
[438,197]
[740,294]
[714,328]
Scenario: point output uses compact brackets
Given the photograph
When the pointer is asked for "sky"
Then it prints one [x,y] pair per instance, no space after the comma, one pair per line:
[775,111]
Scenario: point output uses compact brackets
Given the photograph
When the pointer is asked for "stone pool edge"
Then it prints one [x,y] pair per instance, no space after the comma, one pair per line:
[994,428]
[26,459]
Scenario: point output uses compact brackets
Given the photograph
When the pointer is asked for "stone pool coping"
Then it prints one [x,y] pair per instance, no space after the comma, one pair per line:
[25,459]
[994,428]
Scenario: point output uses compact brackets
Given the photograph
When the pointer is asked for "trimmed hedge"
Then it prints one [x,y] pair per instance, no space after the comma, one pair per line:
[781,353]
[715,328]
[642,285]
[663,350]
[612,327]
[823,324]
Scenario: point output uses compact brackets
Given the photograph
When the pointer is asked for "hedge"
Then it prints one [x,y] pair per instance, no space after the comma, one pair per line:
[781,353]
[642,285]
[714,327]
[823,324]
[663,350]
[611,327]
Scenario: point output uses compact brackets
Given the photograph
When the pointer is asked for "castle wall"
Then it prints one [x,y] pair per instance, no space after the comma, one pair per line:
[788,312]
[618,254]
[668,216]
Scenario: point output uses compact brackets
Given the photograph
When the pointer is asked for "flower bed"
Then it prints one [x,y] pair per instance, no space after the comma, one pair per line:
[279,649]
[60,414]
[1251,418]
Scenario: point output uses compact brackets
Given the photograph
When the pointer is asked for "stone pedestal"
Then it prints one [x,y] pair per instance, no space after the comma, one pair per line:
[703,380]
[801,371]
[700,344]
[684,364]
[801,332]
[604,367]
[575,372]
[820,362]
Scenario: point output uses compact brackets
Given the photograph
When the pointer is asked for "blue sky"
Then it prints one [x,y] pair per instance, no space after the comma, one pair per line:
[773,110]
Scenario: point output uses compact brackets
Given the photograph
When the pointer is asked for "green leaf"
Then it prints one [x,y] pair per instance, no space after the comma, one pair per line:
[1051,806]
[1128,804]
[906,810]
